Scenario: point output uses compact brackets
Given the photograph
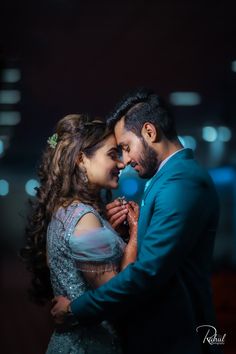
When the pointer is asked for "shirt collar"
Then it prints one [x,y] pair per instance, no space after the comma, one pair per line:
[165,161]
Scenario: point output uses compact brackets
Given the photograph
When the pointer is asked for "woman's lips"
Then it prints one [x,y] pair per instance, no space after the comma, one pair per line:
[115,175]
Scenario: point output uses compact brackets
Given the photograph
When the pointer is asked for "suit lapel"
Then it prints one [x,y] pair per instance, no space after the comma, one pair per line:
[182,154]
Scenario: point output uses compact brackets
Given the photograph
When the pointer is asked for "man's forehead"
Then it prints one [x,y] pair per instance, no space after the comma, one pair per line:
[120,124]
[120,131]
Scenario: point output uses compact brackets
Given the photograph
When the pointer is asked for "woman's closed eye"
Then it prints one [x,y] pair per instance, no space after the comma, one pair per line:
[113,155]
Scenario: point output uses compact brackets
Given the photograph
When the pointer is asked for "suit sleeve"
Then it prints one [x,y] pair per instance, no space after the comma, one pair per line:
[169,238]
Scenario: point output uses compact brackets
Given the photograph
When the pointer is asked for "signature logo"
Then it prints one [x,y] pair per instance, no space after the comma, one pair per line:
[211,336]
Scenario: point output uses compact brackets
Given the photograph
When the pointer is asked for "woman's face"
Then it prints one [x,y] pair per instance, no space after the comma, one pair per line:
[104,166]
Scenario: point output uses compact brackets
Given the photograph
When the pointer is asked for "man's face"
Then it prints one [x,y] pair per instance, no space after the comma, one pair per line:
[136,151]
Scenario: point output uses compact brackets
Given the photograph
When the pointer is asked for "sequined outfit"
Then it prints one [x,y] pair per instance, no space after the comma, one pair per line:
[66,263]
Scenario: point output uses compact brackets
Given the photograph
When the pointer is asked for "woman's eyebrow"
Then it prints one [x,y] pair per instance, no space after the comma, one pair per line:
[113,149]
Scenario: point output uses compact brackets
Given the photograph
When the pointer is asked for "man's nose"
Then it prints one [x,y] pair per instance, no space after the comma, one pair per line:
[126,158]
[120,165]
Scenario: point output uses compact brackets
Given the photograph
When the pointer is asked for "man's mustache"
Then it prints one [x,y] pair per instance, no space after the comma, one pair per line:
[133,164]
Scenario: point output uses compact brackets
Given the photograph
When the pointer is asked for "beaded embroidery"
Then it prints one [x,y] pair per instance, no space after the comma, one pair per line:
[68,280]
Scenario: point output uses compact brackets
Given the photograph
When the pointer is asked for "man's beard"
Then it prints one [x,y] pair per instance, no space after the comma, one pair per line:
[148,161]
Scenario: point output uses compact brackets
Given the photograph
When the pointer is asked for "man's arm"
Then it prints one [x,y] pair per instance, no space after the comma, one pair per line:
[165,244]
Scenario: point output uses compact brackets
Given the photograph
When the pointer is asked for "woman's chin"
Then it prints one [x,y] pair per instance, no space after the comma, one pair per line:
[113,185]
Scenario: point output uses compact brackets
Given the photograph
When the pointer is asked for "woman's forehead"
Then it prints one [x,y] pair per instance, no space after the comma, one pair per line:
[112,139]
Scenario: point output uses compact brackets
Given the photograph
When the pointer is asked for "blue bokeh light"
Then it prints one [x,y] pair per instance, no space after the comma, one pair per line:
[30,187]
[185,98]
[4,187]
[1,147]
[129,186]
[209,134]
[223,175]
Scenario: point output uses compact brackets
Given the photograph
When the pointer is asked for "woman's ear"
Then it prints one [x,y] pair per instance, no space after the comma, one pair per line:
[82,164]
[80,159]
[150,132]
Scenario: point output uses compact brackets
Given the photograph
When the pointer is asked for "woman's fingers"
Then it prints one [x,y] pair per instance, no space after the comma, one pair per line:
[135,208]
[114,211]
[116,216]
[115,203]
[134,205]
[119,221]
[117,212]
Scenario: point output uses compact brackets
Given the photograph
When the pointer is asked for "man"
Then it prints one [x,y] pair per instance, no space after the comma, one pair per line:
[165,295]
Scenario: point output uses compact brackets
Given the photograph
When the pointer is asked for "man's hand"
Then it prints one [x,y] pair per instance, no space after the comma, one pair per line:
[116,213]
[60,308]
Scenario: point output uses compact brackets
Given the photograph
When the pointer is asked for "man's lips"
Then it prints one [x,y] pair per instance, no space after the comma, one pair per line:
[135,166]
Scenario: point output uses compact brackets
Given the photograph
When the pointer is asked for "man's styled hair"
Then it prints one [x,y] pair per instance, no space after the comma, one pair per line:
[141,106]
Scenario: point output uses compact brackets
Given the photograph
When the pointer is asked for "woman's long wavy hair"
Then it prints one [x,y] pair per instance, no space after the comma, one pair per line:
[61,183]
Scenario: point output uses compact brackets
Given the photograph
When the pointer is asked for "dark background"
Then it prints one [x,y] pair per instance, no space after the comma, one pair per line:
[82,56]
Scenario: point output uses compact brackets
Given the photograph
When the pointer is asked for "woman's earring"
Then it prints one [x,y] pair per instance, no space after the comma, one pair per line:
[84,175]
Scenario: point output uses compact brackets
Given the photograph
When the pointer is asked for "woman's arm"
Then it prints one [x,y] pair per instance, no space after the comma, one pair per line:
[130,253]
[89,222]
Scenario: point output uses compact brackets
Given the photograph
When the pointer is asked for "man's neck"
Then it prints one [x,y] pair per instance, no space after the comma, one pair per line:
[166,148]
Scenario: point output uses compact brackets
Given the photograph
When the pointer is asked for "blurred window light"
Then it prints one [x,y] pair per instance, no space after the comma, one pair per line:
[5,139]
[209,134]
[11,75]
[4,187]
[185,98]
[188,141]
[224,134]
[1,146]
[129,186]
[223,175]
[30,187]
[233,66]
[9,96]
[9,118]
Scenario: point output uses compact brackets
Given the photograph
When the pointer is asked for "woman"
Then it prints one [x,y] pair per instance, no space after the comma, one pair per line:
[68,232]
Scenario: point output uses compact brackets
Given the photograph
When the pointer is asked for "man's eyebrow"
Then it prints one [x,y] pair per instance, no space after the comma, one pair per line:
[122,144]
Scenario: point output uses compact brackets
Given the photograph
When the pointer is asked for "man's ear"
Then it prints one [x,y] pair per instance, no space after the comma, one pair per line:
[150,133]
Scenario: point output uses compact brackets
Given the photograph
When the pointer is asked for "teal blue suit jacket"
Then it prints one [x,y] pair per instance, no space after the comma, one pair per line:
[166,293]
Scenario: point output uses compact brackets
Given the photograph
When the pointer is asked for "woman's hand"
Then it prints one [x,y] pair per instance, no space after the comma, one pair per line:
[130,253]
[116,213]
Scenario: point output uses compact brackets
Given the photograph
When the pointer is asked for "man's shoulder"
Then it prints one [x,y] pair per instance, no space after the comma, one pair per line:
[182,175]
[184,169]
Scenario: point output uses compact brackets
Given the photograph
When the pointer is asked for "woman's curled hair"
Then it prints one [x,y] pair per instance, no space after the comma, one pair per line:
[61,182]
